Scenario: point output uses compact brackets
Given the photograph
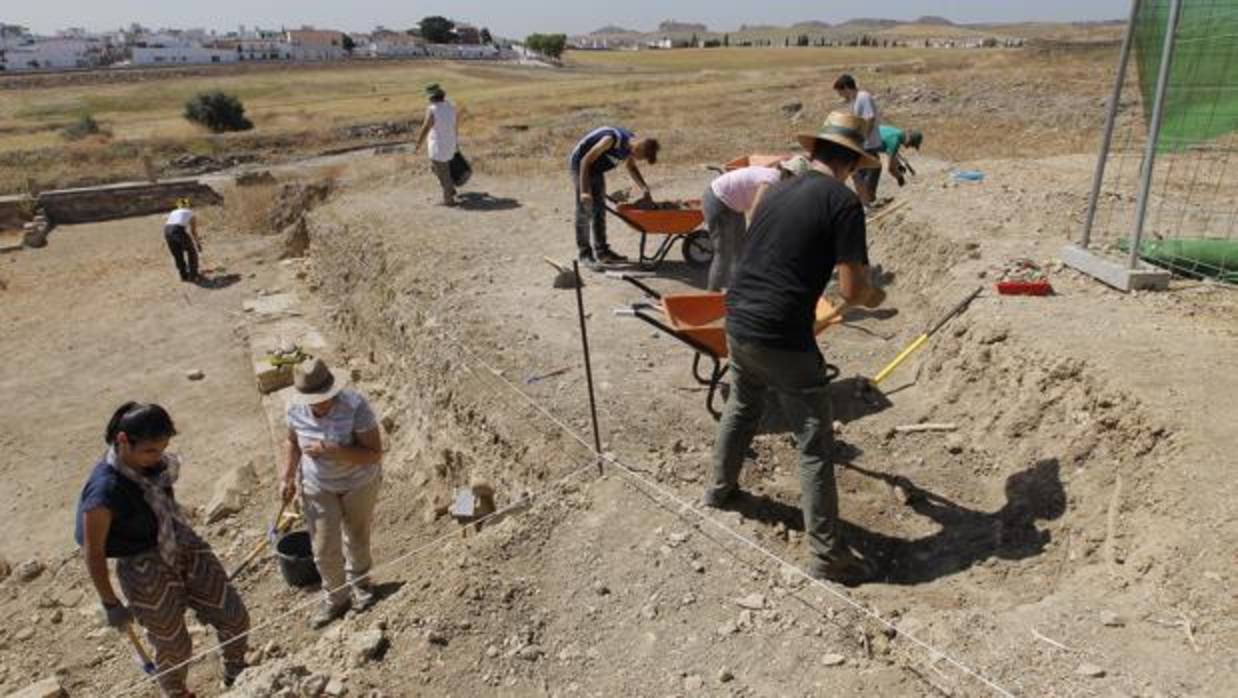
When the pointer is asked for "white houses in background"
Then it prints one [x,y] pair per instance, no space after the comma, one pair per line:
[315,45]
[395,45]
[166,49]
[51,54]
[182,55]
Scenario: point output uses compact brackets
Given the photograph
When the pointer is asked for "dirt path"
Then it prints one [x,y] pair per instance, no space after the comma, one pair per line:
[96,318]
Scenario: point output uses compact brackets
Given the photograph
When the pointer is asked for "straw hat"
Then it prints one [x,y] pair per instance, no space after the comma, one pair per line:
[314,383]
[844,129]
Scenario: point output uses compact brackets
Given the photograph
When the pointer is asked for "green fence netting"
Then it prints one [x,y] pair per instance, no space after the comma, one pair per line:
[1202,100]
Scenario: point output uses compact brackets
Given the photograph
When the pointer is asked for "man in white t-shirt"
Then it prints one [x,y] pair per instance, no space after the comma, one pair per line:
[180,231]
[440,126]
[864,106]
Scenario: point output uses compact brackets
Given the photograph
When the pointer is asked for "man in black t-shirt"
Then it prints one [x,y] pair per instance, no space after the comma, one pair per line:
[804,227]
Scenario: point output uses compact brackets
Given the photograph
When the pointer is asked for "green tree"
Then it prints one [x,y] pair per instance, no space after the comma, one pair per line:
[438,30]
[551,45]
[347,42]
[486,38]
[726,40]
[217,111]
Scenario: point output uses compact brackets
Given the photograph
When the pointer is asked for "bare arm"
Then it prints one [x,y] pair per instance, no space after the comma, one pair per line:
[95,525]
[634,173]
[426,125]
[756,201]
[586,164]
[292,463]
[854,287]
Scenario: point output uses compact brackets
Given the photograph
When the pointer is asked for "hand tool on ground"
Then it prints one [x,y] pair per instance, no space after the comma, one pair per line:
[278,526]
[564,277]
[885,212]
[140,654]
[919,341]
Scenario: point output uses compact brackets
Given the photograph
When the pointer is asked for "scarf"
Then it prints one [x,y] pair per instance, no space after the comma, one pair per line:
[157,491]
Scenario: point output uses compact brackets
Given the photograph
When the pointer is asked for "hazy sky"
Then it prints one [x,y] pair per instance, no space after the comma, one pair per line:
[516,18]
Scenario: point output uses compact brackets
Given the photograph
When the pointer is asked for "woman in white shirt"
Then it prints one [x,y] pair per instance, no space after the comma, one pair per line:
[440,126]
[180,231]
[729,202]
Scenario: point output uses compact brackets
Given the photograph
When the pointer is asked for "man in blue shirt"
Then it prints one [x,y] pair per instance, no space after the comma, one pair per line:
[599,152]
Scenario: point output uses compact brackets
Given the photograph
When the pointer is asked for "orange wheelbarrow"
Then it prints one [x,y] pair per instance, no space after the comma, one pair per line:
[682,225]
[699,321]
[755,160]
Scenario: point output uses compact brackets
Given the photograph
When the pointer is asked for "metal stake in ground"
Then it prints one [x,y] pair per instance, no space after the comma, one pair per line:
[584,342]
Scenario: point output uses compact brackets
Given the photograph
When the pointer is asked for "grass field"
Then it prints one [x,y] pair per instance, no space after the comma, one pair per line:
[709,103]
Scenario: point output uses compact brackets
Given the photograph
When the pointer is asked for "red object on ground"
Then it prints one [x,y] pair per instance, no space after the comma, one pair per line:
[1025,288]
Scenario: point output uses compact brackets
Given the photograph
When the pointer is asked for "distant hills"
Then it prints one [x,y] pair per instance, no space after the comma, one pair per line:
[670,26]
[927,28]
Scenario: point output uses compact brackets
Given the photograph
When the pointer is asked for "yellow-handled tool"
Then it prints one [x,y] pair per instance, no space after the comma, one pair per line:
[919,341]
[139,650]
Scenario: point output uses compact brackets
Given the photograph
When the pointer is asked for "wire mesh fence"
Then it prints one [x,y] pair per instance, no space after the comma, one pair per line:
[1168,175]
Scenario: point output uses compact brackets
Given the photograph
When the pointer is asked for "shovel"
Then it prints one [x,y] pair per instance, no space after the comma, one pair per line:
[279,526]
[564,277]
[140,655]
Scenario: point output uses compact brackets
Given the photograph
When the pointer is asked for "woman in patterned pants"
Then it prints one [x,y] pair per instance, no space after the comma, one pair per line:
[128,511]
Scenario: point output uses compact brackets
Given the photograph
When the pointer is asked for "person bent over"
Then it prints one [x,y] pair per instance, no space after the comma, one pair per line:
[599,152]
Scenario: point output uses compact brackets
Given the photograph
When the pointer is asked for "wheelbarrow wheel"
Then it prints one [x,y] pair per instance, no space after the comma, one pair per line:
[698,250]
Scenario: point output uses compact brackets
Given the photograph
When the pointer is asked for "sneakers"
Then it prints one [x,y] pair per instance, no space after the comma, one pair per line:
[328,613]
[844,568]
[588,261]
[609,256]
[363,596]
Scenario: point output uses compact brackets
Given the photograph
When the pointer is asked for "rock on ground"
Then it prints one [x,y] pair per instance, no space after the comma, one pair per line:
[47,688]
[230,492]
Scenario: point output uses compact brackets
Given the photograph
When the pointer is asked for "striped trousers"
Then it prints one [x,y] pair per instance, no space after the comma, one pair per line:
[159,597]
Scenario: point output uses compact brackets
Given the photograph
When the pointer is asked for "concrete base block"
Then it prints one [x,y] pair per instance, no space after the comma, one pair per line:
[1117,275]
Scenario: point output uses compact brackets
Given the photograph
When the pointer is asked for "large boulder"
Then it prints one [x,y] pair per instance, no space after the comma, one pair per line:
[230,491]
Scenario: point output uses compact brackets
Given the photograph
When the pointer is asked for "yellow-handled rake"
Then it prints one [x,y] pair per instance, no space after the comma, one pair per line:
[919,341]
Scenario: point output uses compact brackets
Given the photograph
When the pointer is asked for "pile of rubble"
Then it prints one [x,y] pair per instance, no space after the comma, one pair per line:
[35,232]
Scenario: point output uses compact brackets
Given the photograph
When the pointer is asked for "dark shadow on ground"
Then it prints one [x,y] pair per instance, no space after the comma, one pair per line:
[214,283]
[967,537]
[852,314]
[483,201]
[852,399]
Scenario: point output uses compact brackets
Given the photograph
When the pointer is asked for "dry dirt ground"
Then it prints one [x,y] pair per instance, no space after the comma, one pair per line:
[1074,537]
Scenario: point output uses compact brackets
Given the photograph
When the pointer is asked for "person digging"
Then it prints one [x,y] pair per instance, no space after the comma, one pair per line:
[893,139]
[128,512]
[180,232]
[805,227]
[334,456]
[599,152]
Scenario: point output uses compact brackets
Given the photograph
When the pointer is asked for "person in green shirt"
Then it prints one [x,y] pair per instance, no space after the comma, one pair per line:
[892,140]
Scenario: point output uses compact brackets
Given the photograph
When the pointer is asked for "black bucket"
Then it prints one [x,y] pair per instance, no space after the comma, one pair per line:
[296,559]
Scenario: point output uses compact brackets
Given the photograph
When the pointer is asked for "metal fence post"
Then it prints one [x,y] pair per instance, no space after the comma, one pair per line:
[1154,130]
[1111,119]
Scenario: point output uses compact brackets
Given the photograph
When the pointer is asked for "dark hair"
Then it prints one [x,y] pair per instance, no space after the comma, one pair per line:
[828,151]
[651,147]
[139,422]
[844,82]
[438,96]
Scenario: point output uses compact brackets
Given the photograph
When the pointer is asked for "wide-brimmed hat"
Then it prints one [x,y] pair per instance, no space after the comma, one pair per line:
[796,165]
[313,383]
[914,139]
[844,129]
[434,88]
